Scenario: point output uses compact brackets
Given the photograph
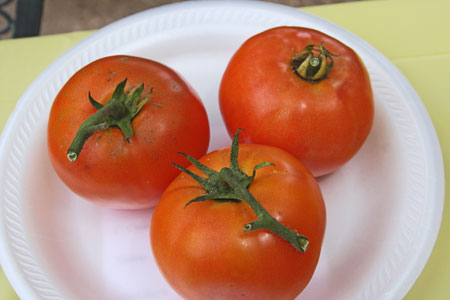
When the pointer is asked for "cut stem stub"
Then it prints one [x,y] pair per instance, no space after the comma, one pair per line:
[118,112]
[231,184]
[313,63]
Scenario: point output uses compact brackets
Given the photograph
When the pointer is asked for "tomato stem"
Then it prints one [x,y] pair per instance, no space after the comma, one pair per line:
[118,111]
[313,63]
[265,220]
[231,184]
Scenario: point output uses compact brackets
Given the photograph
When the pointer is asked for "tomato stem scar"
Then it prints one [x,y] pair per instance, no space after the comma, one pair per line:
[118,111]
[311,67]
[231,184]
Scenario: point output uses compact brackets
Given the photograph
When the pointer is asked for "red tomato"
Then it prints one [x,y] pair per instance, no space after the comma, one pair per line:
[122,171]
[323,121]
[202,249]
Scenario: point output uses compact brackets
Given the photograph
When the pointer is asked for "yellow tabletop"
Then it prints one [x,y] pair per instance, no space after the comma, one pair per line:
[413,34]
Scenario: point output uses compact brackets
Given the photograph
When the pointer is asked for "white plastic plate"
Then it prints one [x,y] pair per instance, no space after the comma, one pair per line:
[384,207]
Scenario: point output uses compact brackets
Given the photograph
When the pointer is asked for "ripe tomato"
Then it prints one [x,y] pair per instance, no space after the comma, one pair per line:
[205,250]
[129,170]
[322,120]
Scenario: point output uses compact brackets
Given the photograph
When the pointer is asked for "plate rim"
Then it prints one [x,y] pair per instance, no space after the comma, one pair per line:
[435,160]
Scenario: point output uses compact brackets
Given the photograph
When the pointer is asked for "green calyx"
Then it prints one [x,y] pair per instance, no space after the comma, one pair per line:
[313,63]
[230,184]
[117,112]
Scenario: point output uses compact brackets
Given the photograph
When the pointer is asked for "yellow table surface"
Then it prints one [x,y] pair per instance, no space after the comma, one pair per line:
[412,34]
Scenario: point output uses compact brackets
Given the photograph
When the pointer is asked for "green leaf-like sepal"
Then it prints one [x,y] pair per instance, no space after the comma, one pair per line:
[230,184]
[119,111]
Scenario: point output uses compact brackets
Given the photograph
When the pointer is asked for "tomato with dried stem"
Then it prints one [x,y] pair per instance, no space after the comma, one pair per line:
[247,226]
[300,90]
[116,125]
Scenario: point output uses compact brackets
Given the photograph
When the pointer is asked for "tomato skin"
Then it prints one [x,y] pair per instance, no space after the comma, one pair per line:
[202,250]
[323,124]
[110,171]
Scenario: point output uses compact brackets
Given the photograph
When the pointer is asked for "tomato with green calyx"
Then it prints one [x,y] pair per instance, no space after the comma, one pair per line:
[300,90]
[116,125]
[249,227]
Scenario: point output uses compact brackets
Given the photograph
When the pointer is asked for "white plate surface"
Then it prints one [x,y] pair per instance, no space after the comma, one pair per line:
[384,207]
